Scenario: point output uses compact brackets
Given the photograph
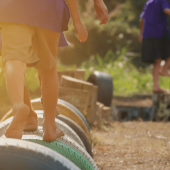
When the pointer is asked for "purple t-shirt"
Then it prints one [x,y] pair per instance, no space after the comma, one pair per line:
[49,14]
[63,41]
[155,20]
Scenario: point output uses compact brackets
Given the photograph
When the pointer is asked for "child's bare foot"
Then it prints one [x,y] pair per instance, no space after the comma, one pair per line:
[16,127]
[31,124]
[51,132]
[158,90]
[164,73]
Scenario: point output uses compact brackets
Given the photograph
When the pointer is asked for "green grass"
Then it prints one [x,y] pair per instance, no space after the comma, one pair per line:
[127,79]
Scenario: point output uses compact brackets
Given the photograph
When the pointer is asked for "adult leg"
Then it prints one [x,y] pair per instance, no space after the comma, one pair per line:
[49,89]
[15,81]
[164,70]
[156,71]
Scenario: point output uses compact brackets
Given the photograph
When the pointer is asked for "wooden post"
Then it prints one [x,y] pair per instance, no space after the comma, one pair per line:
[69,82]
[99,113]
[78,98]
[106,113]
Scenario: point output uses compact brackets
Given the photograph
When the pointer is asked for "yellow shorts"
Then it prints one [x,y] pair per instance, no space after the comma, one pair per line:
[35,46]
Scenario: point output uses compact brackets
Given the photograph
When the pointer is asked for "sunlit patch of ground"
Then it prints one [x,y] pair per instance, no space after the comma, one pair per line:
[132,146]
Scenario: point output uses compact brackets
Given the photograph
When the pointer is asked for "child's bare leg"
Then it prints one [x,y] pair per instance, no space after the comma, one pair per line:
[49,89]
[31,123]
[156,71]
[164,70]
[15,79]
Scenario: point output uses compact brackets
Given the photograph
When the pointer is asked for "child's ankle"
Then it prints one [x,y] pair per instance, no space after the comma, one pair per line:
[18,105]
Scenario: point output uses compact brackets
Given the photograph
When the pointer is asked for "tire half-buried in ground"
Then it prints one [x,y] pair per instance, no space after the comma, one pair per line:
[66,147]
[105,86]
[64,110]
[79,132]
[63,126]
[75,110]
[18,154]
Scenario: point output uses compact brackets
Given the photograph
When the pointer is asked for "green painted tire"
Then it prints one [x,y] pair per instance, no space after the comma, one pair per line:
[79,132]
[68,148]
[64,127]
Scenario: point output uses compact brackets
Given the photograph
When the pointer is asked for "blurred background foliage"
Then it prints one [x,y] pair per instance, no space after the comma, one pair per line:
[121,31]
[112,48]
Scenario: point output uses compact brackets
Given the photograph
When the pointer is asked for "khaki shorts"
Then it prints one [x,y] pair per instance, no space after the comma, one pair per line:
[35,46]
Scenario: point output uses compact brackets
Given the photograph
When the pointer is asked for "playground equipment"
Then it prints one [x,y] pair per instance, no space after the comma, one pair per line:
[66,111]
[75,110]
[79,132]
[104,82]
[72,146]
[19,154]
[74,150]
[86,95]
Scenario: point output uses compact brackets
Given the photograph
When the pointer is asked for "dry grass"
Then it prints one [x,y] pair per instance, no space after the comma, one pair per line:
[133,146]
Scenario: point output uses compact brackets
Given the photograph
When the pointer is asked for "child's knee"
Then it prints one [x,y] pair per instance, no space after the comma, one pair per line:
[158,62]
[12,66]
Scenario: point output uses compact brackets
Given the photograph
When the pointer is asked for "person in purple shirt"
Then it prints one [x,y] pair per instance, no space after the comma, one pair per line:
[154,36]
[30,37]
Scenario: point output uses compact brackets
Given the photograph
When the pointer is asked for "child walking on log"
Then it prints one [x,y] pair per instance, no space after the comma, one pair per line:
[155,38]
[30,36]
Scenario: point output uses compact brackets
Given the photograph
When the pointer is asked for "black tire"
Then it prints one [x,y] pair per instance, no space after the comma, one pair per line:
[105,86]
[18,155]
[64,127]
[79,132]
[75,110]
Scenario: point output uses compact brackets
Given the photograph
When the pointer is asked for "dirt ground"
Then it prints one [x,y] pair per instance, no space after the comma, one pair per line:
[132,146]
[135,145]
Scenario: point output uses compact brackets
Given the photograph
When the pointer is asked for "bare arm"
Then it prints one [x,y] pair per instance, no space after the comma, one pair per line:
[167,11]
[141,29]
[102,11]
[74,10]
[0,41]
[79,26]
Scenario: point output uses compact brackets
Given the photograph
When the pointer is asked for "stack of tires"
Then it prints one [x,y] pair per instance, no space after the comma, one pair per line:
[71,152]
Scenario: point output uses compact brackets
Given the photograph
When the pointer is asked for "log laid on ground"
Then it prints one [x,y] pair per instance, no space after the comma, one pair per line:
[69,82]
[78,74]
[104,82]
